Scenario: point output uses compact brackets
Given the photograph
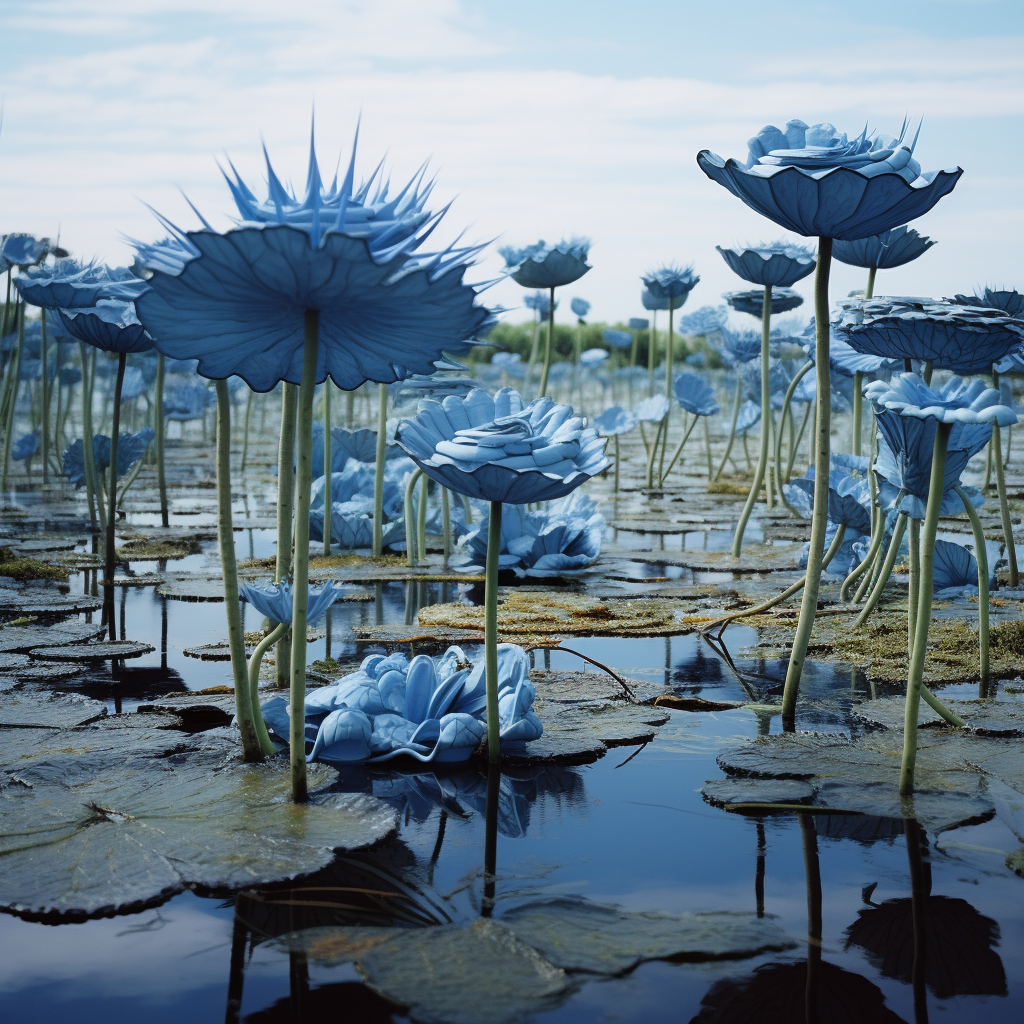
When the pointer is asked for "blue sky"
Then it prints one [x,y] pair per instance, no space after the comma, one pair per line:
[541,118]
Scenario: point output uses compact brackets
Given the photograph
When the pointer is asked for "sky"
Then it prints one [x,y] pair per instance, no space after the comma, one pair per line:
[540,119]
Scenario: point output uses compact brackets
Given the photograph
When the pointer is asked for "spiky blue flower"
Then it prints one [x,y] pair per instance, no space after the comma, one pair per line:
[547,266]
[1009,300]
[780,264]
[695,395]
[843,358]
[752,300]
[816,181]
[739,347]
[499,449]
[670,284]
[892,248]
[386,309]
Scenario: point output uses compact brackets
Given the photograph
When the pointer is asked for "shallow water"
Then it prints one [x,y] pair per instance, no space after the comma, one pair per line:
[630,829]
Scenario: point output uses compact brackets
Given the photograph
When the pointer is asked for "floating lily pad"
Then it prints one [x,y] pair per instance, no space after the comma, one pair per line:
[197,710]
[119,649]
[135,834]
[45,544]
[22,639]
[37,602]
[984,717]
[577,935]
[725,792]
[198,588]
[209,652]
[49,710]
[152,550]
[398,634]
[11,661]
[39,672]
[147,579]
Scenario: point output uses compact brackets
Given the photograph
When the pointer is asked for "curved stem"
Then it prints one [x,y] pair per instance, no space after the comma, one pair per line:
[786,409]
[378,482]
[652,350]
[678,451]
[869,558]
[819,519]
[858,406]
[913,591]
[251,747]
[285,507]
[328,467]
[737,402]
[300,588]
[981,554]
[883,576]
[411,556]
[160,424]
[1004,508]
[87,450]
[548,344]
[266,744]
[653,450]
[924,611]
[491,632]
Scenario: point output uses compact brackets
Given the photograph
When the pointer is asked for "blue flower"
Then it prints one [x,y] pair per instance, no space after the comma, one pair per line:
[617,339]
[695,395]
[849,498]
[739,347]
[670,284]
[188,402]
[907,412]
[565,537]
[432,710]
[130,448]
[654,302]
[498,449]
[965,339]
[752,301]
[850,552]
[547,266]
[1009,301]
[843,358]
[68,284]
[592,358]
[780,264]
[385,309]
[69,375]
[25,447]
[651,410]
[884,251]
[19,249]
[438,386]
[110,325]
[134,385]
[749,415]
[540,302]
[954,571]
[580,307]
[815,181]
[706,320]
[615,420]
[274,600]
[638,323]
[778,381]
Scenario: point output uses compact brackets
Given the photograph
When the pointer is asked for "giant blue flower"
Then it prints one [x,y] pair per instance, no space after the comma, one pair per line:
[385,309]
[130,448]
[695,395]
[110,324]
[778,381]
[706,320]
[498,449]
[752,300]
[70,284]
[965,339]
[849,499]
[776,264]
[564,537]
[739,347]
[883,251]
[816,181]
[188,402]
[547,266]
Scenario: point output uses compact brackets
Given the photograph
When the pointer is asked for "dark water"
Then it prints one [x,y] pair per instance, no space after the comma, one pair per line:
[630,829]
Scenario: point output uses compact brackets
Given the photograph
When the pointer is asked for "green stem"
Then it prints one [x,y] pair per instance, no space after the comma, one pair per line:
[115,429]
[762,458]
[350,403]
[819,519]
[285,508]
[981,554]
[787,402]
[913,591]
[328,481]
[251,747]
[410,533]
[44,442]
[883,576]
[266,744]
[855,574]
[1004,507]
[300,588]
[548,344]
[491,632]
[160,423]
[926,372]
[924,611]
[14,369]
[378,482]
[679,449]
[870,290]
[421,519]
[652,351]
[737,402]
[799,441]
[707,445]
[652,451]
[616,463]
[446,525]
[858,405]
[245,431]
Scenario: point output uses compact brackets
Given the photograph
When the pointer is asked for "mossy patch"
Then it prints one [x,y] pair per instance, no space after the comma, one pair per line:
[723,487]
[149,550]
[18,567]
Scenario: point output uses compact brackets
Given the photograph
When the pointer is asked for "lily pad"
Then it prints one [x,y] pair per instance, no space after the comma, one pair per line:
[725,792]
[40,602]
[984,717]
[22,639]
[578,935]
[143,550]
[197,710]
[119,649]
[49,710]
[39,672]
[137,833]
[147,579]
[10,661]
[209,652]
[199,588]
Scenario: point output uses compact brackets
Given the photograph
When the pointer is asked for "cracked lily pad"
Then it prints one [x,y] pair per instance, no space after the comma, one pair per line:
[40,672]
[11,661]
[49,710]
[195,588]
[118,649]
[22,639]
[984,717]
[578,935]
[32,601]
[135,834]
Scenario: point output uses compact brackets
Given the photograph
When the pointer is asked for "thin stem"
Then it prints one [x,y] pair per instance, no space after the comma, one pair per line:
[45,387]
[924,611]
[328,475]
[981,554]
[378,482]
[707,446]
[819,518]
[108,582]
[410,532]
[652,351]
[786,409]
[285,507]
[616,463]
[653,450]
[869,558]
[799,440]
[914,546]
[548,344]
[446,525]
[870,290]
[737,402]
[245,431]
[679,449]
[300,588]
[883,576]
[491,632]
[160,423]
[1004,508]
[858,406]
[266,744]
[421,519]
[14,369]
[251,746]
[87,450]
